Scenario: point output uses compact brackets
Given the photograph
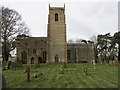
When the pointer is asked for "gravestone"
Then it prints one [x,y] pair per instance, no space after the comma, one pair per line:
[9,64]
[94,64]
[111,62]
[12,65]
[15,65]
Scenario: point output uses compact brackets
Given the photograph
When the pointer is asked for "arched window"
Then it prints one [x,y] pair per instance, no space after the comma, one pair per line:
[56,17]
[32,60]
[24,57]
[56,59]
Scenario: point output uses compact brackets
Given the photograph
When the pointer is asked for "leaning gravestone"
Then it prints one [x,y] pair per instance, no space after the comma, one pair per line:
[28,73]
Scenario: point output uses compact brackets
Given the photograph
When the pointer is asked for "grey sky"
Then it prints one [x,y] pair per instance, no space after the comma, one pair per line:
[83,19]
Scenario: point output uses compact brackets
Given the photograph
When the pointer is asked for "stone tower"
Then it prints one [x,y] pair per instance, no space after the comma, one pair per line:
[57,45]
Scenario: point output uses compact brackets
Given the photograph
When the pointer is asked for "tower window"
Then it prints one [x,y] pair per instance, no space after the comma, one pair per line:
[56,17]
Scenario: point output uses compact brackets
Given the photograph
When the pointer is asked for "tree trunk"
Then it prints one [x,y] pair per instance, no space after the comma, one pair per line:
[119,66]
[119,53]
[118,74]
[5,52]
[3,65]
[5,56]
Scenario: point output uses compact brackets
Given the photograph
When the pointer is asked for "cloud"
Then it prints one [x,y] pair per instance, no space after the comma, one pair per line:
[83,19]
[93,18]
[78,29]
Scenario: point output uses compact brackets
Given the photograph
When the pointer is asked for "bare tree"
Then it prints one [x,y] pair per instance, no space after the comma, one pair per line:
[94,39]
[11,26]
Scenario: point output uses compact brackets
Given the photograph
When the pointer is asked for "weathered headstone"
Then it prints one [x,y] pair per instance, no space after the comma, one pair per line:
[12,65]
[28,73]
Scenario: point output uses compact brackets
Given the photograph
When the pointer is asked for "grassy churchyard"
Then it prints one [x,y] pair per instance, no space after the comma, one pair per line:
[73,76]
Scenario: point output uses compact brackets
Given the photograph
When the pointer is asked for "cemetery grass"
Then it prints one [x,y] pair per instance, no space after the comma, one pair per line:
[49,76]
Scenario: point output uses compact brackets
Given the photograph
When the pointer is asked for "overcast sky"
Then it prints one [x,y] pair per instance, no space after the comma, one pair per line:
[83,19]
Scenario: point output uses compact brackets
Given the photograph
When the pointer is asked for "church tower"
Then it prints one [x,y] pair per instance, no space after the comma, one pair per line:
[57,45]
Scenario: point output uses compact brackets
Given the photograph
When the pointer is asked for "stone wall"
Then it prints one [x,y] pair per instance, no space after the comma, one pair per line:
[80,52]
[76,52]
[57,46]
[31,48]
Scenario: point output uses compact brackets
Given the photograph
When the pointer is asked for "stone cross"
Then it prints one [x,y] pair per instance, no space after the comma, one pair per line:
[28,73]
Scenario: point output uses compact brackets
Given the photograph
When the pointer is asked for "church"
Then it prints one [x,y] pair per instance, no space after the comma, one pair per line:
[53,48]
